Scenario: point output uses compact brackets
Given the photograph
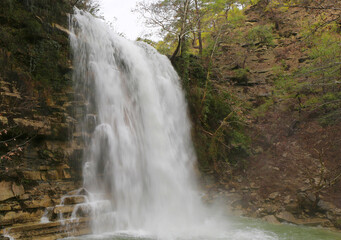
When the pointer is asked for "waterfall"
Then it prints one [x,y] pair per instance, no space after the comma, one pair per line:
[139,160]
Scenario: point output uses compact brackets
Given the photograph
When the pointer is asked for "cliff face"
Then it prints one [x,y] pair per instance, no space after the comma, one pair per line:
[293,164]
[39,163]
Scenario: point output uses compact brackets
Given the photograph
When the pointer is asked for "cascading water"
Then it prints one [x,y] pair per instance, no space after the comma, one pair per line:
[139,159]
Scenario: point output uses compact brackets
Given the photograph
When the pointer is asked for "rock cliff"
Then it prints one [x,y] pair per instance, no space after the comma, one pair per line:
[40,146]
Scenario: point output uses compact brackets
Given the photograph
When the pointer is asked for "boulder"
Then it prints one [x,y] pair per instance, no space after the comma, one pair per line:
[286,217]
[325,206]
[271,219]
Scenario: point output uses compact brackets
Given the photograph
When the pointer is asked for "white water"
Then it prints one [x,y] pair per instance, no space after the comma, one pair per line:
[139,159]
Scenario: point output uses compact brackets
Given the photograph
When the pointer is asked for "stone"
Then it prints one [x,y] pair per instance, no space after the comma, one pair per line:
[32,175]
[74,200]
[44,168]
[326,206]
[287,200]
[5,207]
[259,150]
[63,209]
[61,28]
[52,175]
[292,207]
[66,174]
[18,189]
[271,219]
[306,200]
[13,217]
[274,195]
[6,190]
[44,201]
[286,217]
[254,185]
[270,208]
[39,126]
[3,120]
[239,179]
[314,222]
[49,230]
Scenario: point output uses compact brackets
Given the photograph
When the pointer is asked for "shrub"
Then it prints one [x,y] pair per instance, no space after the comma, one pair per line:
[261,34]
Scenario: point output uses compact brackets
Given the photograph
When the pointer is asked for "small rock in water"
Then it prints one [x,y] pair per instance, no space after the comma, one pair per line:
[286,217]
[271,219]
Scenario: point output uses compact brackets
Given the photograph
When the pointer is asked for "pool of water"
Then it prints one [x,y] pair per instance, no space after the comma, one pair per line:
[240,229]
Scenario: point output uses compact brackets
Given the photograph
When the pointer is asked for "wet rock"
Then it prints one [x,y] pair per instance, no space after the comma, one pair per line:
[271,219]
[63,209]
[286,217]
[61,29]
[74,200]
[50,230]
[314,222]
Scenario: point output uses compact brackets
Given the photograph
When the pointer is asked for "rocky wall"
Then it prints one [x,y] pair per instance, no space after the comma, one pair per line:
[40,143]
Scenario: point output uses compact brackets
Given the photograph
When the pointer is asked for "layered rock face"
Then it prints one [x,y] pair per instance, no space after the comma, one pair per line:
[40,147]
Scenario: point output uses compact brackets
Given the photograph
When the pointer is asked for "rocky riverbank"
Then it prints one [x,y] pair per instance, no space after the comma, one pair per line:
[243,199]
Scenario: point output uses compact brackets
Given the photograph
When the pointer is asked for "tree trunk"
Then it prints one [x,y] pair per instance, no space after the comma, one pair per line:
[176,50]
[199,26]
[182,30]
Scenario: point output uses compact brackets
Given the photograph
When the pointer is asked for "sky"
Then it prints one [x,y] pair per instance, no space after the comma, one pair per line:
[118,12]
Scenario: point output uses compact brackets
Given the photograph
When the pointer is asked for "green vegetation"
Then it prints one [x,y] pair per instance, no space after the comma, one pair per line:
[198,34]
[261,34]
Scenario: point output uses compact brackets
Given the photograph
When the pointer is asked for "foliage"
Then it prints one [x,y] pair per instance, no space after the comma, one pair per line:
[219,124]
[322,89]
[260,34]
[241,75]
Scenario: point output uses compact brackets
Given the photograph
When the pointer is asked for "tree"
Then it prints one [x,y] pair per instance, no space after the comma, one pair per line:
[171,16]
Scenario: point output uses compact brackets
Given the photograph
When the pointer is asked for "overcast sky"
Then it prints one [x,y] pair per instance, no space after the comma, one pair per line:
[124,21]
